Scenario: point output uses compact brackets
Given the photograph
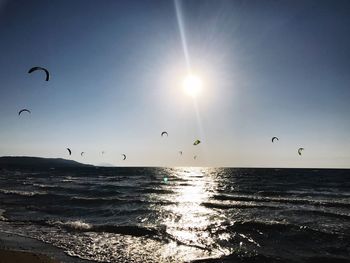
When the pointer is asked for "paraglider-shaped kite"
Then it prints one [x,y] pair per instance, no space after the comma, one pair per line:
[69,151]
[124,157]
[164,133]
[23,110]
[274,138]
[82,153]
[196,142]
[41,68]
[300,150]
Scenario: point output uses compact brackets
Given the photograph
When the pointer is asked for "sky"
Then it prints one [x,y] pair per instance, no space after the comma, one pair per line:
[268,68]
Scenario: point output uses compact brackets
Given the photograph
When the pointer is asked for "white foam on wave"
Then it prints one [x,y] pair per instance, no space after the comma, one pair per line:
[109,247]
[22,193]
[76,224]
[84,198]
[69,179]
[2,218]
[45,185]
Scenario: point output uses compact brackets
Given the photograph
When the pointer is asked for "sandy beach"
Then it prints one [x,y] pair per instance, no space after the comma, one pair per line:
[14,248]
[7,256]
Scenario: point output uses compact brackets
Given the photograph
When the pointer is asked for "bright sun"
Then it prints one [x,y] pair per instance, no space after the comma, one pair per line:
[192,85]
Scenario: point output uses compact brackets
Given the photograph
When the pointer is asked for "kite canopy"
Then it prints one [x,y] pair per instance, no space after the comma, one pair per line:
[124,157]
[274,138]
[196,142]
[69,151]
[82,153]
[23,110]
[180,152]
[195,157]
[300,150]
[164,133]
[43,69]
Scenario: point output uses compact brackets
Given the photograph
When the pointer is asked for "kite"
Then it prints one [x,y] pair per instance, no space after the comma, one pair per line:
[43,69]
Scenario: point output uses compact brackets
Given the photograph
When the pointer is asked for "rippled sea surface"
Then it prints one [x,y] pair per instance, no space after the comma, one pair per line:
[183,214]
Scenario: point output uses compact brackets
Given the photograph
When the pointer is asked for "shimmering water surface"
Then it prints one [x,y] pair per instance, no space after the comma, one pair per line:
[136,215]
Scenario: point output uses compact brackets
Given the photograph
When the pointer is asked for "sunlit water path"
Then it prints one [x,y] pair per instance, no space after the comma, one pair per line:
[136,215]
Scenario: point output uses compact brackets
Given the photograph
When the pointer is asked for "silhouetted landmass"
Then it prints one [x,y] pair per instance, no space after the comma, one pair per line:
[38,163]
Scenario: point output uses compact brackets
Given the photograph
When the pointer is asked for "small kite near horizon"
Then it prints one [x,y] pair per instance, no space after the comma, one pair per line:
[124,157]
[69,151]
[274,138]
[43,69]
[23,110]
[196,142]
[164,133]
[82,153]
[300,150]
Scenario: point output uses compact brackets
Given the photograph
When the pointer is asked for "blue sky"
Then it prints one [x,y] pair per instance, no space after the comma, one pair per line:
[269,68]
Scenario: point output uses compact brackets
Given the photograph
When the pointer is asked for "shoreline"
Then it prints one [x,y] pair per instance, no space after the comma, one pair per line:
[20,256]
[16,248]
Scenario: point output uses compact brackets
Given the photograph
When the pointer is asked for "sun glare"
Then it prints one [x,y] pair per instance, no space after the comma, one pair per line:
[192,85]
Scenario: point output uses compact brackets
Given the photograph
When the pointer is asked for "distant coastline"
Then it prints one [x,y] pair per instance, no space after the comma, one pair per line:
[29,162]
[39,162]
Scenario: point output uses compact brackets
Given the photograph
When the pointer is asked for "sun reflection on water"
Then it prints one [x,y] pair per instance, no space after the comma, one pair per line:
[185,218]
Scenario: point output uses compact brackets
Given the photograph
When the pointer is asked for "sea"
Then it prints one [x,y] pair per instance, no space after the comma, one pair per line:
[182,214]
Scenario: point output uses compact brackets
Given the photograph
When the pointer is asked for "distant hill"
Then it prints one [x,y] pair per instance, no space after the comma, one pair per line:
[106,165]
[39,163]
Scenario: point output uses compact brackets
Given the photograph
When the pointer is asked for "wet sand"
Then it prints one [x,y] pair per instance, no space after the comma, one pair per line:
[7,256]
[19,249]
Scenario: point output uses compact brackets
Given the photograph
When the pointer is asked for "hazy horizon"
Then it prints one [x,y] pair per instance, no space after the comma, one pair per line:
[269,68]
[185,166]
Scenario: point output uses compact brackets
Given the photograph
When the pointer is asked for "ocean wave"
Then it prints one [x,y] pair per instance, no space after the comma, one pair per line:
[254,257]
[323,213]
[97,200]
[2,217]
[69,179]
[45,185]
[85,200]
[236,205]
[100,199]
[132,230]
[74,225]
[22,193]
[128,230]
[241,257]
[40,185]
[250,205]
[305,193]
[285,228]
[155,191]
[301,201]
